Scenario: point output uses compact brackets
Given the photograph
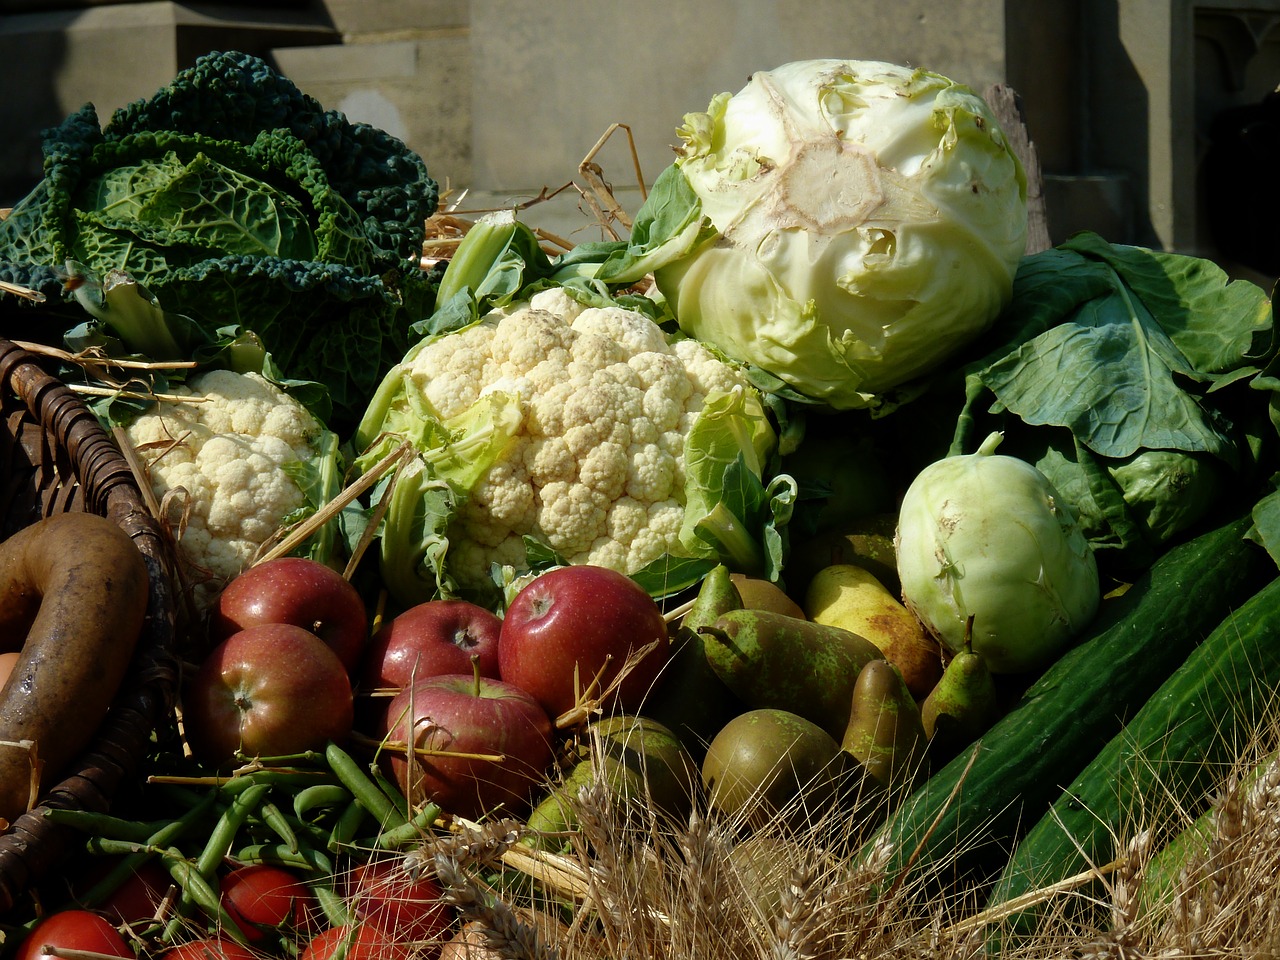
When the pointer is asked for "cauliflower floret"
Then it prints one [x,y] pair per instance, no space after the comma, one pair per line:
[226,448]
[572,516]
[500,502]
[596,470]
[663,521]
[469,560]
[708,374]
[651,473]
[605,552]
[446,373]
[555,301]
[529,337]
[633,332]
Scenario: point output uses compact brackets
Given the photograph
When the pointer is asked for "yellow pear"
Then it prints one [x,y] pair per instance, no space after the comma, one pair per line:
[849,596]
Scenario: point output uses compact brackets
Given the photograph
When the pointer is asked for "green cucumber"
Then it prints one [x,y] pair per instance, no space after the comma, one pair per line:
[1167,759]
[965,819]
[1190,847]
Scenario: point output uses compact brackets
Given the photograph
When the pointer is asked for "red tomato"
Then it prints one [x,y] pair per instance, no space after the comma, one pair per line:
[263,898]
[73,930]
[362,943]
[138,897]
[387,896]
[210,948]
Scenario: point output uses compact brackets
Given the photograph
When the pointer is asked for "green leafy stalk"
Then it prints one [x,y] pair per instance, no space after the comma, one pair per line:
[134,314]
[496,262]
[414,534]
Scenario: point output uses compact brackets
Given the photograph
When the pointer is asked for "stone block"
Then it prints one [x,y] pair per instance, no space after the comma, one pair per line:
[110,55]
[545,94]
[417,90]
[386,18]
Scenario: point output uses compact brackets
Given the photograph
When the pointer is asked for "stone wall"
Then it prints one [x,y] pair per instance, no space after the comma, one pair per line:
[504,98]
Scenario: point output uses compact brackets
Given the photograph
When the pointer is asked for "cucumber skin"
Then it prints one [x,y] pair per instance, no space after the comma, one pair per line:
[1167,758]
[1022,763]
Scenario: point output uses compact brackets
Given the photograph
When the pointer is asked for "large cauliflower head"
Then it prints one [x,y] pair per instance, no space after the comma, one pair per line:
[596,469]
[220,448]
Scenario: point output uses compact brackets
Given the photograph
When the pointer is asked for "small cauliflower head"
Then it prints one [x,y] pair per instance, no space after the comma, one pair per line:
[223,452]
[596,469]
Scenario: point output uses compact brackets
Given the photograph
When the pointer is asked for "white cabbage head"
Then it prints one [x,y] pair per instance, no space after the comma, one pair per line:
[860,222]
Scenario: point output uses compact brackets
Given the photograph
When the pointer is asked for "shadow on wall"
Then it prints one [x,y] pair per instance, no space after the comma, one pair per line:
[28,106]
[1117,130]
[1242,193]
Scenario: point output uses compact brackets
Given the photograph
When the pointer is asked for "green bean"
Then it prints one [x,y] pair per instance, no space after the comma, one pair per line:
[130,862]
[391,791]
[279,855]
[198,891]
[223,835]
[363,788]
[347,826]
[306,832]
[275,777]
[276,820]
[319,796]
[334,906]
[102,824]
[110,847]
[415,829]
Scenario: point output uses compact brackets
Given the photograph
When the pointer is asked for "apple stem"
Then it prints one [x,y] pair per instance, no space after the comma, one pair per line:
[475,674]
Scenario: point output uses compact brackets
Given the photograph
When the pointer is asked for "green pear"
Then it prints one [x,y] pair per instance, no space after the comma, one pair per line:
[772,660]
[760,594]
[772,764]
[885,733]
[637,758]
[690,699]
[962,705]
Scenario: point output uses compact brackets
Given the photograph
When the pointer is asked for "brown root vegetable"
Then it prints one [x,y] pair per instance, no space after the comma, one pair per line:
[73,597]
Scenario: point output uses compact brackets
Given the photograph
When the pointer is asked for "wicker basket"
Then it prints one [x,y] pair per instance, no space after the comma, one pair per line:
[54,458]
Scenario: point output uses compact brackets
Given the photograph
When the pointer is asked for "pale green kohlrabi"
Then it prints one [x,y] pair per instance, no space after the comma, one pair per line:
[843,225]
[987,536]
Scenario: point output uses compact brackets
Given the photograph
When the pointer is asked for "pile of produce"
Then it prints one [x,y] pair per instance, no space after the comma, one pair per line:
[813,572]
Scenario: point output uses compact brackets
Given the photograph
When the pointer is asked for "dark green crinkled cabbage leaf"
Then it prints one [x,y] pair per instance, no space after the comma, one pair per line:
[236,199]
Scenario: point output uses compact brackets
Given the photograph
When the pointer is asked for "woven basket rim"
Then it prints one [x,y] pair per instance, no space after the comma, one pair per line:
[33,846]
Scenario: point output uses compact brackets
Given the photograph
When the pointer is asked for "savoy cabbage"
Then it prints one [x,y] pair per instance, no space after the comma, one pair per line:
[236,200]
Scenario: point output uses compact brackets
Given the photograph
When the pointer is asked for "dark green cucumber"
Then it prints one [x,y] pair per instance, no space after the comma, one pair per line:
[966,818]
[1167,759]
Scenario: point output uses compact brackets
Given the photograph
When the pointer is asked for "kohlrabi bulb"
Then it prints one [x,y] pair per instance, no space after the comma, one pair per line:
[986,536]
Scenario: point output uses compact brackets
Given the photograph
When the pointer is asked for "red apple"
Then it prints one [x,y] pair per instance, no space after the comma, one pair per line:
[299,591]
[267,691]
[432,638]
[580,622]
[458,724]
